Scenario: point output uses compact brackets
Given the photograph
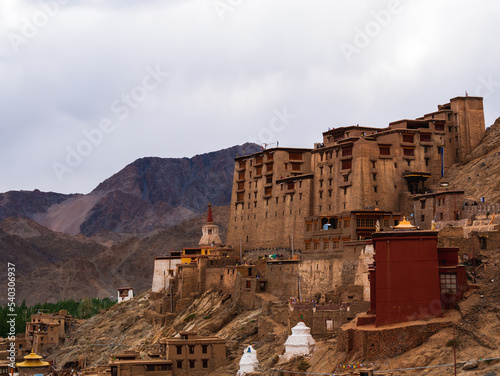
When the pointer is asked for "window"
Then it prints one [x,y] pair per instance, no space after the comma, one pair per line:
[191,347]
[309,226]
[204,348]
[179,350]
[326,244]
[347,151]
[374,177]
[268,191]
[365,222]
[259,159]
[241,185]
[375,189]
[347,223]
[386,223]
[346,178]
[248,284]
[295,156]
[191,363]
[150,367]
[308,246]
[316,245]
[384,150]
[407,138]
[422,204]
[204,363]
[258,170]
[448,283]
[179,364]
[329,324]
[409,152]
[347,164]
[422,218]
[425,137]
[296,167]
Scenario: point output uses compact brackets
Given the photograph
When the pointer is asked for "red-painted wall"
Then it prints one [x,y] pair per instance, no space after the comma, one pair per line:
[406,276]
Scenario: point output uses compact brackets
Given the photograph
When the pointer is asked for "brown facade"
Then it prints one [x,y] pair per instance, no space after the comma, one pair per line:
[193,355]
[46,331]
[443,206]
[353,169]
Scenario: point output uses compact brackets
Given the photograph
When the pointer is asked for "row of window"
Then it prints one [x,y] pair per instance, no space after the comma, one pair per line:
[191,348]
[192,363]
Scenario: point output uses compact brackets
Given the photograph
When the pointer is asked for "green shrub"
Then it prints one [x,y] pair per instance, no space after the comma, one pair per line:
[303,366]
[190,317]
[452,342]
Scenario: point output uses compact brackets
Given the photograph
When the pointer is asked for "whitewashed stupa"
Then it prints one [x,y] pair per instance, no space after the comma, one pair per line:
[300,342]
[248,362]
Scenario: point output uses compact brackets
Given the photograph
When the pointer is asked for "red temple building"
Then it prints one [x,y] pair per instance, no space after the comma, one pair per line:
[411,278]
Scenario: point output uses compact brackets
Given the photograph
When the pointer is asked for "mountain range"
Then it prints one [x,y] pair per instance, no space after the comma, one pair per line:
[73,246]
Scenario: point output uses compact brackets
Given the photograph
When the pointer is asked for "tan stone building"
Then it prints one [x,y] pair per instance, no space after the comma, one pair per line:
[279,193]
[194,355]
[46,331]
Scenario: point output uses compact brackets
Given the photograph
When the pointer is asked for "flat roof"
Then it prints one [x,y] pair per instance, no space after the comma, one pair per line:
[352,127]
[271,149]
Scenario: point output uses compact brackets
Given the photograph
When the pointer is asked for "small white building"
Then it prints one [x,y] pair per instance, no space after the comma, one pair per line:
[248,362]
[125,293]
[300,342]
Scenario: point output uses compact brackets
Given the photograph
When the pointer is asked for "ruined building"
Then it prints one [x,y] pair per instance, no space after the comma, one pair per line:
[47,330]
[318,199]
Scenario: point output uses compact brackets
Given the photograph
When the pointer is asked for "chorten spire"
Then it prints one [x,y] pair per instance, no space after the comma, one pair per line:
[210,219]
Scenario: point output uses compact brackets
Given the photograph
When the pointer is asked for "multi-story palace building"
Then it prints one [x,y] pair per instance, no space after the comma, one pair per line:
[357,178]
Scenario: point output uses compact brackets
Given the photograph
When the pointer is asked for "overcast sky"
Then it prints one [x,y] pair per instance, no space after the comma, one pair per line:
[87,88]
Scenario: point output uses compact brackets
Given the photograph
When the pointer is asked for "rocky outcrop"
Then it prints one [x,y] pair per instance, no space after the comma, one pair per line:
[478,176]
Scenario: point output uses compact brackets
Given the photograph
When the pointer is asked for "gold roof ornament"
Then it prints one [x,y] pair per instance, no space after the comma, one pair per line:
[405,225]
[32,361]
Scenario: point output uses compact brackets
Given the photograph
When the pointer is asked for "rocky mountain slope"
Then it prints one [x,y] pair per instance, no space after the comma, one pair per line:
[147,195]
[479,175]
[29,204]
[52,266]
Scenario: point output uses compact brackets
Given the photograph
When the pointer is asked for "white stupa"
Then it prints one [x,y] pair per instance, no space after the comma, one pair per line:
[300,342]
[248,362]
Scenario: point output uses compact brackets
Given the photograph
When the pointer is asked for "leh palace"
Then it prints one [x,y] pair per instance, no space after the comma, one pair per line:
[346,231]
[360,239]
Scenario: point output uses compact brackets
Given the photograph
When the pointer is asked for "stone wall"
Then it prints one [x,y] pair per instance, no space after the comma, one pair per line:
[371,344]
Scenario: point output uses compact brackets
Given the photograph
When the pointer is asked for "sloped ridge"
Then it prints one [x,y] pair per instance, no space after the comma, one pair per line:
[187,182]
[28,204]
[478,176]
